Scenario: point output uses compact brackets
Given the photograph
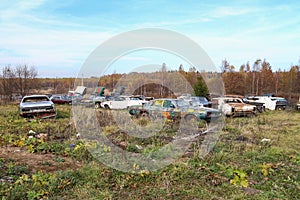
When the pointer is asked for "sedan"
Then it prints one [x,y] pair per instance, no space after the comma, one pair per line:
[37,106]
[61,99]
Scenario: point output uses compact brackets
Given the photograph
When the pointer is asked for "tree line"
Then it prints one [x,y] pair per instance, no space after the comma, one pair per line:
[17,80]
[250,79]
[260,79]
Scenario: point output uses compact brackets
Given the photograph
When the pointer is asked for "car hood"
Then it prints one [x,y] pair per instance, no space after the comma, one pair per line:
[209,109]
[35,104]
[202,110]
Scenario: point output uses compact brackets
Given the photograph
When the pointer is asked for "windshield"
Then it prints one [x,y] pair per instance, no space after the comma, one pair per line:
[35,99]
[181,103]
[195,103]
[202,99]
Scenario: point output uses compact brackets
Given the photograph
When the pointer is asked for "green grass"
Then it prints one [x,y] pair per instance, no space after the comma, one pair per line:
[240,166]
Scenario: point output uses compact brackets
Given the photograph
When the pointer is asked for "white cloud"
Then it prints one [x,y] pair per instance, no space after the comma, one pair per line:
[45,47]
[223,11]
[20,8]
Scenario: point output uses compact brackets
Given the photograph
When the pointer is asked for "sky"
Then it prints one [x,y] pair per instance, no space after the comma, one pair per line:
[58,36]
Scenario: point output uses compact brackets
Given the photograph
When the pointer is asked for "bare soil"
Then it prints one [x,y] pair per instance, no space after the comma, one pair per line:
[37,162]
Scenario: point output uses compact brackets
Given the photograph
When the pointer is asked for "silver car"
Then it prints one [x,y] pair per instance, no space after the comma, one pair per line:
[37,106]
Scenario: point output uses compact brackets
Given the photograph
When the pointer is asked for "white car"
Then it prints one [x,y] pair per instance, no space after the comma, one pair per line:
[37,106]
[271,103]
[122,102]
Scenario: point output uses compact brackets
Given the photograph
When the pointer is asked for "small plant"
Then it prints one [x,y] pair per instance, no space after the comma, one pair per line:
[59,159]
[239,178]
[132,148]
[62,113]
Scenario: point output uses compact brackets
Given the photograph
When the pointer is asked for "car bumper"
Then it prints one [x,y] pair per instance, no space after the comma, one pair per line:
[39,114]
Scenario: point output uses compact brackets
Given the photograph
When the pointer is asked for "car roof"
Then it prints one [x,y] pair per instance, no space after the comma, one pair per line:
[36,95]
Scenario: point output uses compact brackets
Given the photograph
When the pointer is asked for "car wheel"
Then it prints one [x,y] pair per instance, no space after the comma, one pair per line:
[279,108]
[106,107]
[145,115]
[97,105]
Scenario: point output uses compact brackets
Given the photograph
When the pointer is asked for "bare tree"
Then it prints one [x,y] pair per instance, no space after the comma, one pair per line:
[7,84]
[18,80]
[26,79]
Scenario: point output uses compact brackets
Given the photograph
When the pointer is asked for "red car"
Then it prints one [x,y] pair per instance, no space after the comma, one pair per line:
[61,99]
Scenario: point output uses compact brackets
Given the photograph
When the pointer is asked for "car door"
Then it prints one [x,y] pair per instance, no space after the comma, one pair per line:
[119,103]
[155,109]
[168,108]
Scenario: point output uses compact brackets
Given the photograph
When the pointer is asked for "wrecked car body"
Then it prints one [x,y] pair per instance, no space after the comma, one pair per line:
[234,106]
[260,107]
[61,99]
[174,109]
[122,102]
[37,106]
[270,103]
[202,100]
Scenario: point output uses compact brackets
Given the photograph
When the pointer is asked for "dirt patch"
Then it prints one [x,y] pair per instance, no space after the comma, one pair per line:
[37,162]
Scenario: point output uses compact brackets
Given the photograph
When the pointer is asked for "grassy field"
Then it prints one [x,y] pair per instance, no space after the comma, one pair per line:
[254,158]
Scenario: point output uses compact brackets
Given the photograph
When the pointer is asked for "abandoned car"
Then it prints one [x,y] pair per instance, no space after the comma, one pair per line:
[174,109]
[37,106]
[260,107]
[234,106]
[270,102]
[122,102]
[202,100]
[61,99]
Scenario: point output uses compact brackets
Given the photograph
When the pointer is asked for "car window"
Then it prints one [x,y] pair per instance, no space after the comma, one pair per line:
[35,99]
[252,98]
[195,103]
[158,103]
[202,99]
[167,104]
[231,101]
[181,103]
[120,99]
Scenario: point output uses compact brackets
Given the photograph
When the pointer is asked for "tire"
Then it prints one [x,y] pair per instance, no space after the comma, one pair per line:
[144,115]
[279,108]
[97,105]
[106,107]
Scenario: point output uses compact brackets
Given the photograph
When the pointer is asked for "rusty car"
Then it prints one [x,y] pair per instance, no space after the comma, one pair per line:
[233,107]
[174,109]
